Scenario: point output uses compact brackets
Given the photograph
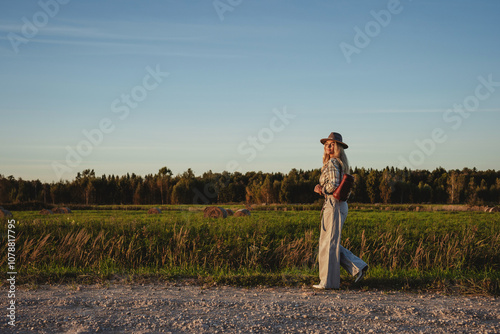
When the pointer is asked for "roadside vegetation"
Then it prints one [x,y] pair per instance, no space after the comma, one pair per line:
[445,251]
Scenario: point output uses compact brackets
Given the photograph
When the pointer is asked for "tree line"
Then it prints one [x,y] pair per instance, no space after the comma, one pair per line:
[390,185]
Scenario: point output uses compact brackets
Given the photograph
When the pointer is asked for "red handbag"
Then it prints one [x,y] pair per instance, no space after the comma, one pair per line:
[344,188]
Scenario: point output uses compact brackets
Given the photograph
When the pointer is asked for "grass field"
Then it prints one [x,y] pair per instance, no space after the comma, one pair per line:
[446,251]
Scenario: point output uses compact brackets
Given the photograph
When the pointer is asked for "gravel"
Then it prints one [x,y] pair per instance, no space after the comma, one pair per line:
[172,308]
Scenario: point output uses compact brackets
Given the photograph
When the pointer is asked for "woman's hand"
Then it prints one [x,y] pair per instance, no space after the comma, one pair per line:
[318,189]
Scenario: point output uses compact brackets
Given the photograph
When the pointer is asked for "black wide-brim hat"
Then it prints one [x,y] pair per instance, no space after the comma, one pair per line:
[335,136]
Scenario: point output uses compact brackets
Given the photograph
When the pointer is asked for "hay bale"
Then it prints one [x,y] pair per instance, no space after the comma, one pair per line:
[4,213]
[62,210]
[154,211]
[214,212]
[46,212]
[242,213]
[229,212]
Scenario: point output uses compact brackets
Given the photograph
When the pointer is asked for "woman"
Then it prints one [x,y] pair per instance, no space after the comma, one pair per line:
[331,254]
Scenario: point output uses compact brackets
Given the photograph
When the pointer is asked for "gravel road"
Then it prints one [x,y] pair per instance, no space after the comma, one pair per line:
[171,308]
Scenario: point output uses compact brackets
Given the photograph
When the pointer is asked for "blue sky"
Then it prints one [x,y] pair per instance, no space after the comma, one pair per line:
[251,85]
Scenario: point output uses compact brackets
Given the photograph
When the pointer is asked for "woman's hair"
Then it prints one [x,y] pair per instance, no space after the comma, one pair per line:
[339,153]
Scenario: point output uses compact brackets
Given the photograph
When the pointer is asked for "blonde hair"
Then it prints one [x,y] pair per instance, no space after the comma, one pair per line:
[339,153]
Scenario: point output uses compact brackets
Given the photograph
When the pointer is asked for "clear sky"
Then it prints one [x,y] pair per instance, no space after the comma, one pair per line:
[132,86]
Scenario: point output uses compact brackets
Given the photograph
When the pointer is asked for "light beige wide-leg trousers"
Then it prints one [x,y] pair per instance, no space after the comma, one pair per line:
[331,254]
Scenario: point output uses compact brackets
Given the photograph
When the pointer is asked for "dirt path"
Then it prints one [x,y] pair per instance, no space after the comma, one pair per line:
[167,308]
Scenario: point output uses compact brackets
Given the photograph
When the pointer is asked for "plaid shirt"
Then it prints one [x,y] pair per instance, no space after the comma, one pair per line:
[330,176]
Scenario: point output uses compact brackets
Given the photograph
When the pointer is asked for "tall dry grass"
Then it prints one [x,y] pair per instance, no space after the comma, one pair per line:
[264,242]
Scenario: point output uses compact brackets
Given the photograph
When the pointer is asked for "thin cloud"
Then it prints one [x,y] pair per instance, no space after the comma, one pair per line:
[410,111]
[96,30]
[106,41]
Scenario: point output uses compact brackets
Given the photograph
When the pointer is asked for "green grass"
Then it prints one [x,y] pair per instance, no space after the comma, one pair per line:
[445,251]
